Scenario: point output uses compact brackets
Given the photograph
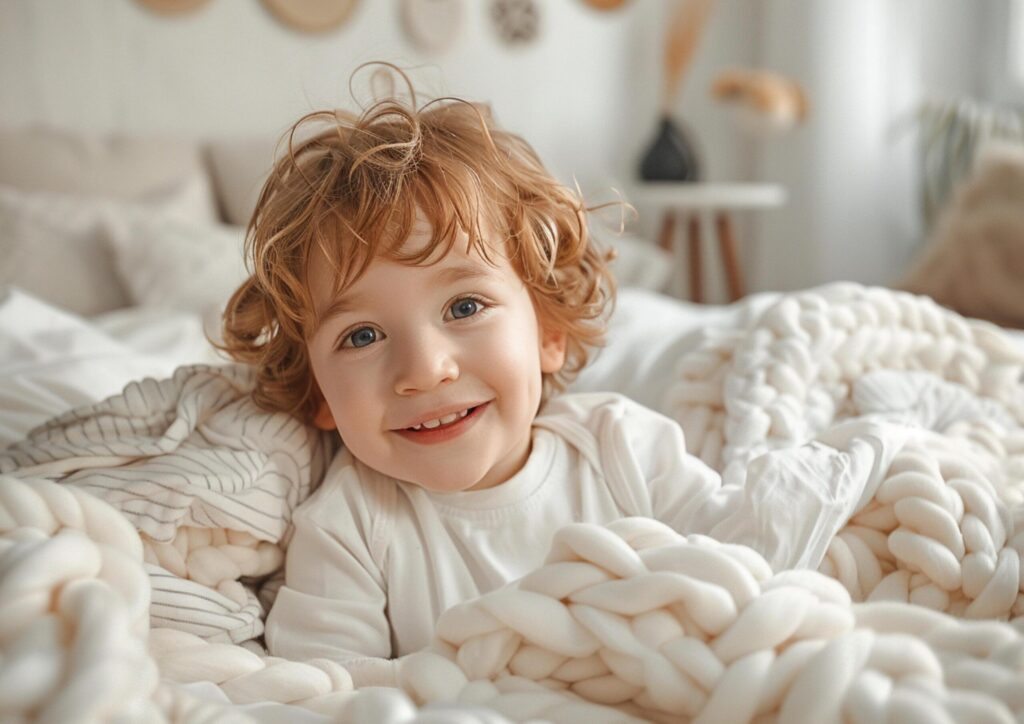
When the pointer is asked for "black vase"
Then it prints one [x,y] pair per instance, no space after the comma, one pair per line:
[671,157]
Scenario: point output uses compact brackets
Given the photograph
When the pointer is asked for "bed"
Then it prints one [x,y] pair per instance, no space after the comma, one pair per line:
[114,409]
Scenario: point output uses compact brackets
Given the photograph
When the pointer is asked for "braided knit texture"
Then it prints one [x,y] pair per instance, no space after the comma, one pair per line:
[632,621]
[664,627]
[946,527]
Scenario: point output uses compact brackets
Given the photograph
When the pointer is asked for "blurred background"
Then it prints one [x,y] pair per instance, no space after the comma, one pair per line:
[584,82]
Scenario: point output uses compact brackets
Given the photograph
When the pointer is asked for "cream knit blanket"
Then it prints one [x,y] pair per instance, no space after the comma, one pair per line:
[632,620]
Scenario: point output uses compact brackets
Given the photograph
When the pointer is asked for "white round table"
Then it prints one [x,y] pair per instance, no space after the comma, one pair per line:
[692,201]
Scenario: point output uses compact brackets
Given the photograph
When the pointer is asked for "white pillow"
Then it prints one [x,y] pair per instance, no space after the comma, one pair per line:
[54,245]
[51,361]
[172,264]
[638,262]
[238,170]
[648,334]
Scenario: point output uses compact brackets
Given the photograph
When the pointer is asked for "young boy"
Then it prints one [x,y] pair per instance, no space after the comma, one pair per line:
[423,286]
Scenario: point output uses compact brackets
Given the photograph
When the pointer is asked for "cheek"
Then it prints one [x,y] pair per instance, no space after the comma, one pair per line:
[356,416]
[349,402]
[346,402]
[514,354]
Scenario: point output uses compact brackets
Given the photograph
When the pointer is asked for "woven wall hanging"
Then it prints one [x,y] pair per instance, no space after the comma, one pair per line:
[432,26]
[311,16]
[172,7]
[605,4]
[516,21]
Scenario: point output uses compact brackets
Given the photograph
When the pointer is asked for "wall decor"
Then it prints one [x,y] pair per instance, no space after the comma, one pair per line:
[172,7]
[764,102]
[516,21]
[605,4]
[432,26]
[311,16]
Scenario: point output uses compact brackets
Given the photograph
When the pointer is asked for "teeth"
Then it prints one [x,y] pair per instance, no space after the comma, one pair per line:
[431,424]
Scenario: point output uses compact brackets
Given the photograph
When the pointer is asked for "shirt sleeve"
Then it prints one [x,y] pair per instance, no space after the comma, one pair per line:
[786,504]
[333,603]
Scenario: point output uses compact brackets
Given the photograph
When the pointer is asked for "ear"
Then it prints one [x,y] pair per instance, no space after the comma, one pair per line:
[553,344]
[323,419]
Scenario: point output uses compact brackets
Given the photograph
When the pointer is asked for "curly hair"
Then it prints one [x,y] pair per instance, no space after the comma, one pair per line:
[352,190]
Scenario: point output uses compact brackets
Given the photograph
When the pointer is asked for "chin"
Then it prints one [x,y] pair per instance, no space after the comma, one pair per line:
[443,487]
[448,484]
[442,476]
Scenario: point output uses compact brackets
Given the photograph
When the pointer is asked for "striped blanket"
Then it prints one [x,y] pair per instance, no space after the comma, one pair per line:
[187,459]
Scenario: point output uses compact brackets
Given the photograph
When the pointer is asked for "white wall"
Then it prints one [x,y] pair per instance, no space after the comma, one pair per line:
[230,68]
[833,167]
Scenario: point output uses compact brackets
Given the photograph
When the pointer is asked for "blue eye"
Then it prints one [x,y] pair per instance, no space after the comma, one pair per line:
[465,308]
[362,337]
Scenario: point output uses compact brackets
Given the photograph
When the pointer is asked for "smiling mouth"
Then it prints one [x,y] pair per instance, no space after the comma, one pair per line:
[442,422]
[446,428]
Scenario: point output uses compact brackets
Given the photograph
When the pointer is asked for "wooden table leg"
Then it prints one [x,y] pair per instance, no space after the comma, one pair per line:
[668,227]
[696,280]
[727,246]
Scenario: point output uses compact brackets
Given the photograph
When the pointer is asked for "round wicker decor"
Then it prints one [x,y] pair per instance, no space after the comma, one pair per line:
[172,7]
[516,21]
[432,25]
[605,4]
[311,16]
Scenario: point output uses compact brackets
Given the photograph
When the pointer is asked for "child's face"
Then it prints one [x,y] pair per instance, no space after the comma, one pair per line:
[406,345]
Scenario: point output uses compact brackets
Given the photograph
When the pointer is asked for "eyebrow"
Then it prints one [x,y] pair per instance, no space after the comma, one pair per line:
[447,276]
[461,272]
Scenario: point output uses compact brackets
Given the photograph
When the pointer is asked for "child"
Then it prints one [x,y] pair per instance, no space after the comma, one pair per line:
[422,285]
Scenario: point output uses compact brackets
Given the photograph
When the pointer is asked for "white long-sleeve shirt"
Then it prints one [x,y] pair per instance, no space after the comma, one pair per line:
[374,561]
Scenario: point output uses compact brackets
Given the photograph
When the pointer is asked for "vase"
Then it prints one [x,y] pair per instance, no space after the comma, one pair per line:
[672,156]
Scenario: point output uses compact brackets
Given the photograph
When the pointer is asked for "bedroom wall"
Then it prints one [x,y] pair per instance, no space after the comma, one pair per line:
[585,94]
[231,68]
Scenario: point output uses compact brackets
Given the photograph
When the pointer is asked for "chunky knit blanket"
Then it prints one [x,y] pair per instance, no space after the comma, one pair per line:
[117,520]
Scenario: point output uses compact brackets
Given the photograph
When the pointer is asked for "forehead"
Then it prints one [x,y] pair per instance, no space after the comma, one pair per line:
[440,263]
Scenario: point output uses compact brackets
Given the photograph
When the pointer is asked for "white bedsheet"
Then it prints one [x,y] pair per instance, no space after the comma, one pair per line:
[52,360]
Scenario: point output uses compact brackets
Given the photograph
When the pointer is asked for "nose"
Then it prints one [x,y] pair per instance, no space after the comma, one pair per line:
[424,363]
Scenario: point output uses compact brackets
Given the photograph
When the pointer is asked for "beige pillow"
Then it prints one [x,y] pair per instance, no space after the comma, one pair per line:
[638,262]
[975,261]
[127,169]
[167,263]
[238,169]
[52,246]
[56,246]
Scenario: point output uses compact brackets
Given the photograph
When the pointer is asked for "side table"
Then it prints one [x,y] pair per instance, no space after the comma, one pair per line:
[688,203]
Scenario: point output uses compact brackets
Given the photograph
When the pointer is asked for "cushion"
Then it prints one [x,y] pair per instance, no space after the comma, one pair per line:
[55,246]
[648,333]
[638,262]
[51,361]
[168,263]
[52,246]
[130,169]
[974,263]
[238,169]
